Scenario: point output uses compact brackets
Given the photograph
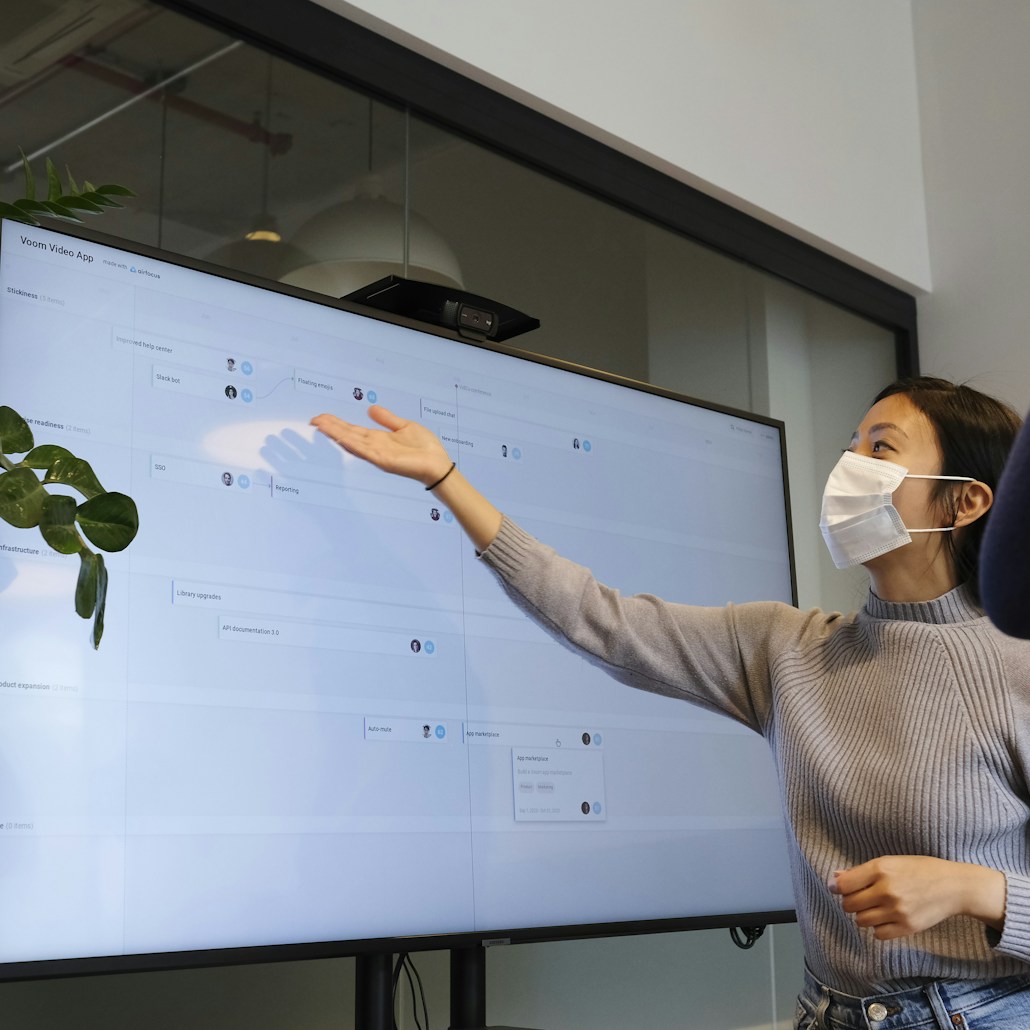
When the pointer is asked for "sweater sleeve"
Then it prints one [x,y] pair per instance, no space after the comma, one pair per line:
[1005,552]
[1014,738]
[1015,938]
[717,658]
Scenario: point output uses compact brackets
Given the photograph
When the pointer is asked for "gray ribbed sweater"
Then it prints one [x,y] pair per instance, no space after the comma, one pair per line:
[903,729]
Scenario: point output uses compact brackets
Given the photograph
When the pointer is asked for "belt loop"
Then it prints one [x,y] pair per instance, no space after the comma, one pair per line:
[821,1008]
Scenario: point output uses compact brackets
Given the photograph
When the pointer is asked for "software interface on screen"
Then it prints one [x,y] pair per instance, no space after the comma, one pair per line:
[314,715]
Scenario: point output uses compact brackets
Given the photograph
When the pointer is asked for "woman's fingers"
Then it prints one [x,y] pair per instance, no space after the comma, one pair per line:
[403,447]
[386,418]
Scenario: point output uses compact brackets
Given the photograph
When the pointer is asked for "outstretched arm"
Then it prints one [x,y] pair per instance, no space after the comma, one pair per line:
[408,449]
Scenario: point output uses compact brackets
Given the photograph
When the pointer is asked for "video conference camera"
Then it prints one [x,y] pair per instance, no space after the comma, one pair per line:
[471,316]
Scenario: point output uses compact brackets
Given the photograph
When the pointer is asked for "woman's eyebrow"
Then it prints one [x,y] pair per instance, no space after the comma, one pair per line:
[879,427]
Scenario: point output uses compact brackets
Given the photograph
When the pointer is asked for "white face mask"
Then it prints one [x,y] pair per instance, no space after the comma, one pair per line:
[858,520]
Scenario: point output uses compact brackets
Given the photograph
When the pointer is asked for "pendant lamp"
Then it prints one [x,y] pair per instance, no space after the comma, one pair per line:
[262,251]
[365,237]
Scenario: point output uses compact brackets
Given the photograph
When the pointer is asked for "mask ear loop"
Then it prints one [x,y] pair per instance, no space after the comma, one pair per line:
[954,479]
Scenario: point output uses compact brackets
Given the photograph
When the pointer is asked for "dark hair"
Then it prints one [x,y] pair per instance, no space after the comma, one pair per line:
[975,434]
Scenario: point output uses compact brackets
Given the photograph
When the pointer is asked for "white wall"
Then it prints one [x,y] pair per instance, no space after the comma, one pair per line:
[801,112]
[974,81]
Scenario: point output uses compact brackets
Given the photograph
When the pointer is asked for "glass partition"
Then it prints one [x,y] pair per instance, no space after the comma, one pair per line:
[221,140]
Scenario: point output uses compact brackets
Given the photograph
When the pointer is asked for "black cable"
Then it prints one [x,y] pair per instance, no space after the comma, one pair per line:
[749,938]
[409,966]
[405,964]
[396,977]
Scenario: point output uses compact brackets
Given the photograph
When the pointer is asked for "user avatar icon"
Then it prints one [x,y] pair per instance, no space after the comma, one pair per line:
[434,514]
[416,646]
[586,738]
[504,450]
[585,808]
[230,364]
[575,443]
[227,478]
[230,392]
[426,730]
[358,393]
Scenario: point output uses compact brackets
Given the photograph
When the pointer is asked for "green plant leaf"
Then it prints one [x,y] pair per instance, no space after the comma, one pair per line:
[30,179]
[109,521]
[43,456]
[56,210]
[98,618]
[15,435]
[86,587]
[79,203]
[72,185]
[29,205]
[76,473]
[10,211]
[57,524]
[114,190]
[21,498]
[53,180]
[99,198]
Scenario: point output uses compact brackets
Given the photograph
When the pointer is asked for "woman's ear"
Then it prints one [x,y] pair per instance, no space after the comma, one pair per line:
[975,502]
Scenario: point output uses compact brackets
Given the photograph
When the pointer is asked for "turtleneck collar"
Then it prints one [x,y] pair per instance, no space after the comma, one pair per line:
[955,606]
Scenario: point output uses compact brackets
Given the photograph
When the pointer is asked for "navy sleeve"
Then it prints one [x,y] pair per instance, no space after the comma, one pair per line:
[1005,552]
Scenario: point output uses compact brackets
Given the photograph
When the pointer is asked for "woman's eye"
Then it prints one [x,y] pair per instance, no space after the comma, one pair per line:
[881,445]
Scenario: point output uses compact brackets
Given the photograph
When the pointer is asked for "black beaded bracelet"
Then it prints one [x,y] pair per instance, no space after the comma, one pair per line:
[443,477]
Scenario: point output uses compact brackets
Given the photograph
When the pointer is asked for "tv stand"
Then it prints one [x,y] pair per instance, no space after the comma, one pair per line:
[468,990]
[373,991]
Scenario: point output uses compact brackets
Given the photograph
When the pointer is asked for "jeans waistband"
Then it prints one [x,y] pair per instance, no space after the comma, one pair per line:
[932,1005]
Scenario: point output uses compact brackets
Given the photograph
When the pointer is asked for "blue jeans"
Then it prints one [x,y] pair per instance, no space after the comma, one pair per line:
[1002,1004]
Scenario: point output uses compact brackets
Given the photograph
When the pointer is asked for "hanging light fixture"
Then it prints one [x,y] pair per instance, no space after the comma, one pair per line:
[262,250]
[366,237]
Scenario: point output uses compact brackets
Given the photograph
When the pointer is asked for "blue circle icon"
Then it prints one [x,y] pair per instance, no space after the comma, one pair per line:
[429,647]
[586,445]
[516,453]
[244,482]
[597,739]
[372,396]
[448,516]
[597,808]
[246,368]
[440,732]
[247,395]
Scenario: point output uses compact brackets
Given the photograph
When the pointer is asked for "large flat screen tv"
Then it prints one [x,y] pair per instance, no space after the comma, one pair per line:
[315,725]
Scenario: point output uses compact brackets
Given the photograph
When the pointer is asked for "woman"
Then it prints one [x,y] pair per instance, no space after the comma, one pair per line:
[901,733]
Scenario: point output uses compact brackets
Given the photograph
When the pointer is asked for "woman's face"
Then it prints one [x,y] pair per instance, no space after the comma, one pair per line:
[895,430]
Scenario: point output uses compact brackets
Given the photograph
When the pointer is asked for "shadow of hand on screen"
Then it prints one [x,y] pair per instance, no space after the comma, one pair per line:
[289,453]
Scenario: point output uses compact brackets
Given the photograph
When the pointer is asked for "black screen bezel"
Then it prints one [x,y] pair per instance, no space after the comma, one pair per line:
[216,957]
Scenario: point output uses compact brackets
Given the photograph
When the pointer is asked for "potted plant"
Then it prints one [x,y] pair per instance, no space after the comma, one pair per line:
[107,519]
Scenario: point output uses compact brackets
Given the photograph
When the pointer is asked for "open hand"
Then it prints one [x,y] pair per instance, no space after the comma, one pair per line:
[402,447]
